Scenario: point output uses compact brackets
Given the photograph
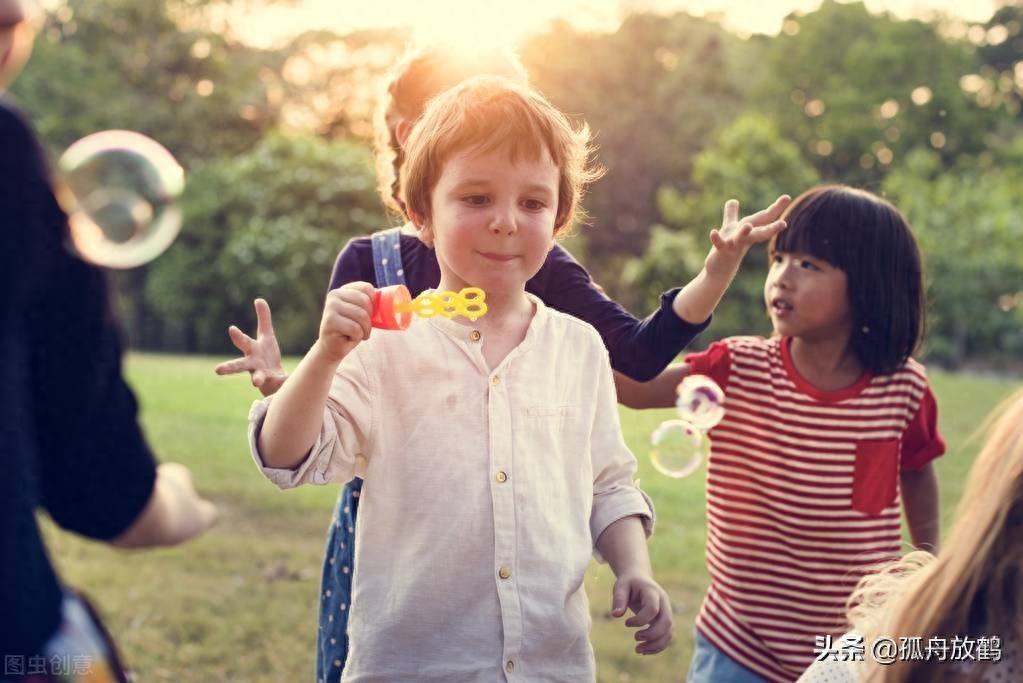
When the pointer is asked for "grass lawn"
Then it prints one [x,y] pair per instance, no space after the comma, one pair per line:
[240,603]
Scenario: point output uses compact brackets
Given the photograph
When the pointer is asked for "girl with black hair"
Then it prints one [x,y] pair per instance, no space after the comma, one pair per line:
[829,425]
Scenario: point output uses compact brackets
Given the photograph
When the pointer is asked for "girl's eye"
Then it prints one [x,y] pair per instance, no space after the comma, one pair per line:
[775,258]
[808,265]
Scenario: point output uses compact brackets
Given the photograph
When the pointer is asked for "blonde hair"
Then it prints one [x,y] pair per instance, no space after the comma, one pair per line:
[487,113]
[973,586]
[421,75]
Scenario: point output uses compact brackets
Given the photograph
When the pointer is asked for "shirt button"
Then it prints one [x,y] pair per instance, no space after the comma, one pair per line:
[501,477]
[509,666]
[475,335]
[504,572]
[495,380]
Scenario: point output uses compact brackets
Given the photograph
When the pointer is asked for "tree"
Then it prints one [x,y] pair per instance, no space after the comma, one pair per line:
[751,162]
[127,64]
[858,91]
[967,223]
[652,93]
[267,223]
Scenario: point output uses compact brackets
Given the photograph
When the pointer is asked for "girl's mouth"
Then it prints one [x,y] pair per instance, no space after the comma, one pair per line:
[780,307]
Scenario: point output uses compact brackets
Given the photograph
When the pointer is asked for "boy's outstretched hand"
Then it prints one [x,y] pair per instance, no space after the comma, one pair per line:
[262,359]
[650,607]
[735,236]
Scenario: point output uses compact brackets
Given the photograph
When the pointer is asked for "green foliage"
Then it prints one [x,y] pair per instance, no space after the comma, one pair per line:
[748,161]
[684,116]
[967,223]
[267,223]
[857,91]
[652,93]
[128,64]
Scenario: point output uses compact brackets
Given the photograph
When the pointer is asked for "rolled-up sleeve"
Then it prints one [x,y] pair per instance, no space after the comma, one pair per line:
[615,493]
[345,432]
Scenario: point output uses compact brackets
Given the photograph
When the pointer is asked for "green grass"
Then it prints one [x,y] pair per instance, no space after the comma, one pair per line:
[240,603]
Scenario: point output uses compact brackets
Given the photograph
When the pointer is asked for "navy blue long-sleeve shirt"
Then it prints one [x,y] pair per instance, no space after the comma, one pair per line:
[639,349]
[69,440]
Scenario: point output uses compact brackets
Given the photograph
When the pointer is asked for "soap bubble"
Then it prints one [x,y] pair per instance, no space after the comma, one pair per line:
[678,448]
[121,194]
[700,402]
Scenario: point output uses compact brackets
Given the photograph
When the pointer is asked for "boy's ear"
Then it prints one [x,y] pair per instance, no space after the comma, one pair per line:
[401,131]
[422,227]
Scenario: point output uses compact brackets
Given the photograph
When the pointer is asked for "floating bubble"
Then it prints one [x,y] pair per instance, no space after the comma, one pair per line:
[678,448]
[121,197]
[700,402]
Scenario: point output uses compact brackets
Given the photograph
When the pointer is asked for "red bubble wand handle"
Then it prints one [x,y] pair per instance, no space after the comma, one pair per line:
[394,306]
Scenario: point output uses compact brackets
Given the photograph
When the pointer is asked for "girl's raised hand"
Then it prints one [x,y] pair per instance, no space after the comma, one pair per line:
[346,320]
[735,236]
[262,359]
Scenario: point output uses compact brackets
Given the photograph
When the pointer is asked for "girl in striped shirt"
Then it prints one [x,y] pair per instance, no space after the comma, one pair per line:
[829,426]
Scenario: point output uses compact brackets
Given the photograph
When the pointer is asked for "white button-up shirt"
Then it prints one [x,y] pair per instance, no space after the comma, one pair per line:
[484,493]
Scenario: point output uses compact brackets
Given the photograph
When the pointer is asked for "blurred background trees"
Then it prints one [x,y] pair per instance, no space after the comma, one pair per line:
[685,114]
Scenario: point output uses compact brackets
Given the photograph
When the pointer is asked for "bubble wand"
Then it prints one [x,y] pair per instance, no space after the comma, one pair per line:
[393,306]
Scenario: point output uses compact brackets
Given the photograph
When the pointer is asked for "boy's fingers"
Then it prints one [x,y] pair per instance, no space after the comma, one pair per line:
[619,599]
[264,322]
[654,646]
[258,377]
[649,607]
[660,625]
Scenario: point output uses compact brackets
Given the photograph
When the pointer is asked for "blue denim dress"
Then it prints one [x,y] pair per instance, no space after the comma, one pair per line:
[339,555]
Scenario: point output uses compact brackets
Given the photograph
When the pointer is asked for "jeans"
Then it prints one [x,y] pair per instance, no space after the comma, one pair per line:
[711,665]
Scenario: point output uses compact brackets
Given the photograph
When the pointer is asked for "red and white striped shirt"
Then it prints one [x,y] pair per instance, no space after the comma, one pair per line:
[802,497]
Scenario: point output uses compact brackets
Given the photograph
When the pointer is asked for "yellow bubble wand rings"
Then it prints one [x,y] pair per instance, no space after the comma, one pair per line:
[393,306]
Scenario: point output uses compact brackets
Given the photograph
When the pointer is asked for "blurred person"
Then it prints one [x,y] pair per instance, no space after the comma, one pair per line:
[968,598]
[71,443]
[639,349]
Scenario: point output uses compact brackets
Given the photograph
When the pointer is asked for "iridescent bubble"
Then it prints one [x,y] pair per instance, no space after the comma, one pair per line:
[121,196]
[700,402]
[678,448]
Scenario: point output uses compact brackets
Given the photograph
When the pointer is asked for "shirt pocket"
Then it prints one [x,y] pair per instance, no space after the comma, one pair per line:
[552,414]
[561,413]
[876,476]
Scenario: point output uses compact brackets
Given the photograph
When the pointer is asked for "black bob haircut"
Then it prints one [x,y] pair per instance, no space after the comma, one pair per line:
[868,239]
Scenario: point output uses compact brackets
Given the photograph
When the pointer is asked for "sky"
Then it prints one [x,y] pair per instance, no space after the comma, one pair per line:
[505,22]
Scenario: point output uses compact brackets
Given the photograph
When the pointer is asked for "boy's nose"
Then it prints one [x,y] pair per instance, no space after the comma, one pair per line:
[502,221]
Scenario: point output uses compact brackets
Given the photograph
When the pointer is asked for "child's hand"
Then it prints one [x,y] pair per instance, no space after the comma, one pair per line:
[735,237]
[346,319]
[650,607]
[262,358]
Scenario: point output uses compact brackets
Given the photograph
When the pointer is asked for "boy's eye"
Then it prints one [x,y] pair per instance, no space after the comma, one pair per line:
[533,204]
[476,199]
